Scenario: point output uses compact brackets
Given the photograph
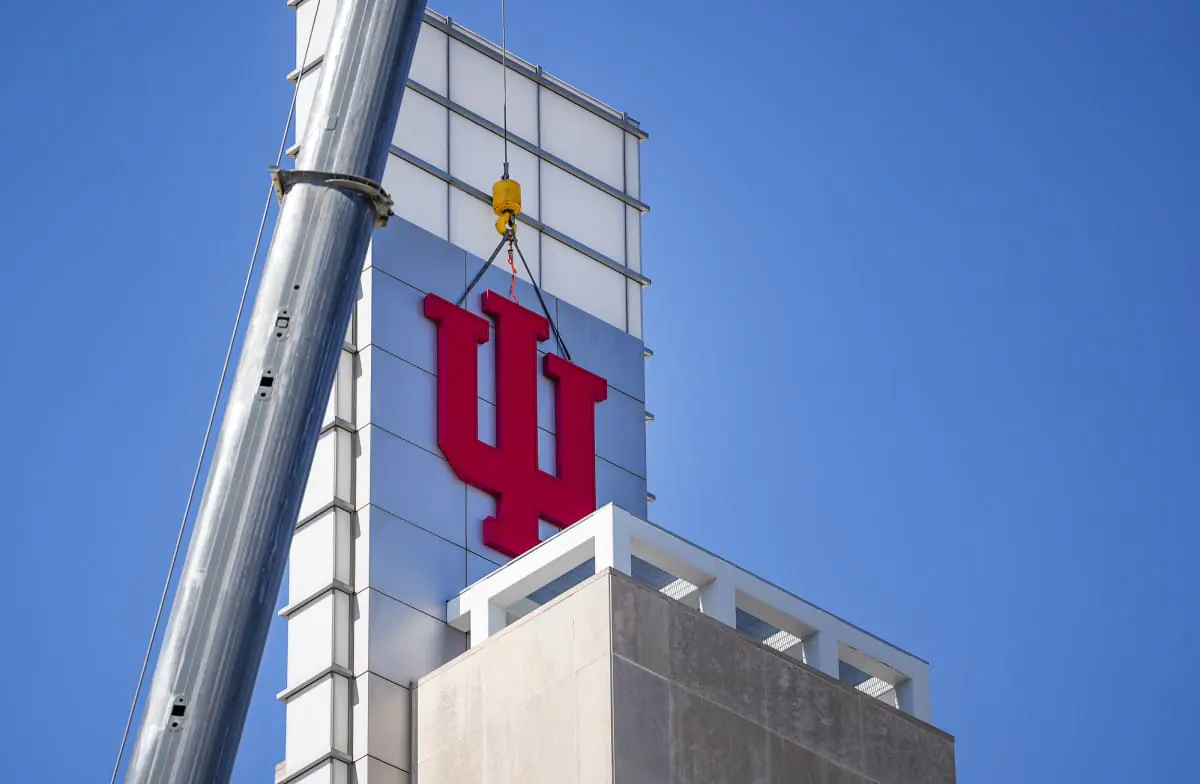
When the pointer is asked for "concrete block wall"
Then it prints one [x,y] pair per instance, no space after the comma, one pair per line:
[615,682]
[532,705]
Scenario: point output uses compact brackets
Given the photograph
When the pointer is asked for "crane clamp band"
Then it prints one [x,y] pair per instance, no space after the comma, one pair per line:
[380,201]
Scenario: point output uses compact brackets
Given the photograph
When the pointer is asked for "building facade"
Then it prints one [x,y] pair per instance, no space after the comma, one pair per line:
[387,531]
[392,574]
[614,682]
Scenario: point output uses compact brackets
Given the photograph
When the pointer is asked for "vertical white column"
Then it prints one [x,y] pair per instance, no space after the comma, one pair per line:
[821,651]
[613,542]
[320,590]
[486,620]
[718,598]
[913,695]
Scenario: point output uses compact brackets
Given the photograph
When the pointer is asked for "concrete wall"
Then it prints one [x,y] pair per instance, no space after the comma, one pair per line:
[531,705]
[614,682]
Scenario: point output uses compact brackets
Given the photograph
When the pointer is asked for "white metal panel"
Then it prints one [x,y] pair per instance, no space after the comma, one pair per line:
[585,283]
[634,304]
[429,61]
[328,772]
[398,324]
[364,309]
[310,640]
[633,168]
[341,402]
[472,227]
[411,483]
[583,139]
[341,711]
[480,505]
[407,562]
[527,240]
[547,458]
[487,422]
[330,406]
[304,99]
[369,770]
[382,721]
[475,82]
[399,397]
[422,260]
[344,475]
[309,732]
[345,381]
[421,129]
[583,212]
[477,158]
[320,33]
[478,567]
[633,239]
[398,642]
[322,477]
[311,562]
[419,196]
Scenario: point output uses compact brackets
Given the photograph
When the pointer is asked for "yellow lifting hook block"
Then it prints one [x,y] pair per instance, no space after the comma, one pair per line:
[506,203]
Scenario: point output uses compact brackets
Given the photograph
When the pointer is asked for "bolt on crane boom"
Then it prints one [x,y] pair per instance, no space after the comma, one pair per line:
[217,628]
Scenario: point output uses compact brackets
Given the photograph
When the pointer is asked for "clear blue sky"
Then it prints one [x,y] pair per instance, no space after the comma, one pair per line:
[924,316]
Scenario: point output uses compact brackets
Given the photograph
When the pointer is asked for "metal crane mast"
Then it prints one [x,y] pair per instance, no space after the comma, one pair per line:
[218,624]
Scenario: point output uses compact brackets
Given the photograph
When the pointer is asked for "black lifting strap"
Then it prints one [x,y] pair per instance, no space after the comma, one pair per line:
[511,237]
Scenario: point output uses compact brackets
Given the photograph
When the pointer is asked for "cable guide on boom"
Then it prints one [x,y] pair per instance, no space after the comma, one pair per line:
[381,202]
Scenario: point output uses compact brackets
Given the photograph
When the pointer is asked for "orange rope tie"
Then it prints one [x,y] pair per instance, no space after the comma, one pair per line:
[512,286]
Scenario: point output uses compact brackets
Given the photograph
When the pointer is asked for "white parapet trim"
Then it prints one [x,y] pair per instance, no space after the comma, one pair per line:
[613,537]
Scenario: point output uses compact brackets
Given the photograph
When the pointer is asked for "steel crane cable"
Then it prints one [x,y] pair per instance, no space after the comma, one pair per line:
[504,75]
[512,286]
[506,202]
[212,415]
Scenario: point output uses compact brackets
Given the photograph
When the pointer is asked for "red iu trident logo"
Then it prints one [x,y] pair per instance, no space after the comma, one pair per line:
[509,471]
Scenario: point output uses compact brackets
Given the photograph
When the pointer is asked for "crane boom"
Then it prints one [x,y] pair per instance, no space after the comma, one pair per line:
[217,628]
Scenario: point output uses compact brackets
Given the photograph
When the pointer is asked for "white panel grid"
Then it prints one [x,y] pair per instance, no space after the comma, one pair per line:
[419,197]
[362,466]
[318,637]
[317,722]
[633,166]
[320,554]
[429,61]
[341,396]
[583,212]
[351,328]
[331,406]
[476,84]
[633,239]
[320,33]
[322,476]
[421,129]
[369,770]
[328,772]
[304,99]
[583,139]
[382,721]
[477,158]
[634,305]
[585,283]
[330,477]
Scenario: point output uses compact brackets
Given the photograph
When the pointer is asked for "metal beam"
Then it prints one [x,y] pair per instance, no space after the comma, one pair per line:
[218,625]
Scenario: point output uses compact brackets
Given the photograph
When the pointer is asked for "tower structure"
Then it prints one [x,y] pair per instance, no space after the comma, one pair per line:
[388,532]
[613,651]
